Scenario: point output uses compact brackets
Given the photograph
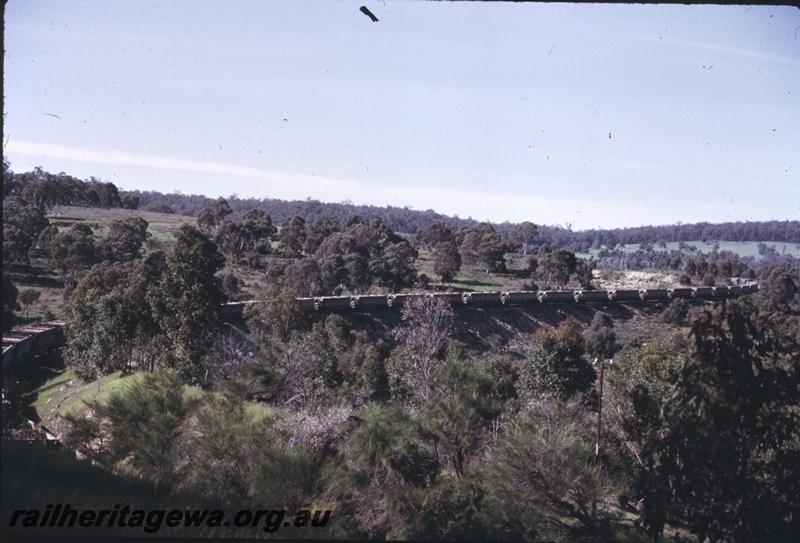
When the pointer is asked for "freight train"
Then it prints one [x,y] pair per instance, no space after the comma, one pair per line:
[27,340]
[373,302]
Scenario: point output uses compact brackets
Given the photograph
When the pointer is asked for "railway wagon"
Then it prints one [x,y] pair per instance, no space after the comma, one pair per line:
[519,297]
[44,336]
[368,302]
[721,291]
[659,294]
[556,296]
[307,304]
[629,295]
[15,347]
[450,297]
[592,296]
[234,310]
[327,303]
[704,292]
[481,299]
[683,293]
[31,339]
[750,289]
[396,300]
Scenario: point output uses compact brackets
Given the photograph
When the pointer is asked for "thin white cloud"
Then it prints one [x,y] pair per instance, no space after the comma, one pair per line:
[492,204]
[124,158]
[717,48]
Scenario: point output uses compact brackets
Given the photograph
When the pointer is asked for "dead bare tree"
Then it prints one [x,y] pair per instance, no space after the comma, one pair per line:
[427,323]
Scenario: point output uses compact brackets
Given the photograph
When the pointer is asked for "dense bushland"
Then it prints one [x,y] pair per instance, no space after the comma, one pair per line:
[409,433]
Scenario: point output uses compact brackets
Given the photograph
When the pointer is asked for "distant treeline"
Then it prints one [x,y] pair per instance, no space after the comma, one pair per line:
[410,221]
[42,188]
[399,219]
[786,231]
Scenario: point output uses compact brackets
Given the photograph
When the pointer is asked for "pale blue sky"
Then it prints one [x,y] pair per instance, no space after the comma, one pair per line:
[492,110]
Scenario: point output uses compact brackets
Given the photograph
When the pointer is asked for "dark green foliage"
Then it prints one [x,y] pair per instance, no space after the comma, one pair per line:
[435,234]
[188,300]
[385,455]
[601,341]
[725,459]
[676,312]
[447,260]
[10,304]
[45,190]
[160,208]
[363,254]
[397,266]
[778,287]
[540,481]
[239,457]
[139,425]
[292,235]
[285,476]
[316,232]
[124,240]
[247,238]
[227,453]
[22,223]
[160,312]
[27,298]
[72,251]
[213,215]
[333,274]
[277,314]
[450,510]
[483,245]
[16,245]
[303,277]
[130,201]
[504,376]
[459,411]
[555,266]
[231,286]
[361,364]
[583,271]
[110,325]
[523,234]
[640,381]
[555,366]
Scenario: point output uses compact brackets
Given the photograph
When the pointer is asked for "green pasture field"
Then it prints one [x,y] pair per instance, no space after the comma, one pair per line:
[162,226]
[741,248]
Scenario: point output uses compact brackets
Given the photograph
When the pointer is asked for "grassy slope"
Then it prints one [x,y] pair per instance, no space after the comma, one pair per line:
[41,277]
[161,225]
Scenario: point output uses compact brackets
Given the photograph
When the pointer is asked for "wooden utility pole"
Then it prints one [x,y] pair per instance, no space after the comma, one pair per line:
[599,409]
[599,421]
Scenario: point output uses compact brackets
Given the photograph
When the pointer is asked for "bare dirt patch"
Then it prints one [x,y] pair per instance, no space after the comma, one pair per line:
[616,280]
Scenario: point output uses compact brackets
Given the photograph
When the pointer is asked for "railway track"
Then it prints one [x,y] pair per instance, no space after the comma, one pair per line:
[27,340]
